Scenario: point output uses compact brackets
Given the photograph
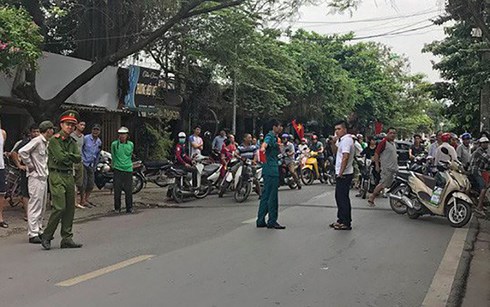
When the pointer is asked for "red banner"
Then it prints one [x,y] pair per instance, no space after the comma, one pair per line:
[299,128]
[378,127]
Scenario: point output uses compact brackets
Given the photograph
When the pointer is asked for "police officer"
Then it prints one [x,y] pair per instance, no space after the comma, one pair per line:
[269,201]
[62,154]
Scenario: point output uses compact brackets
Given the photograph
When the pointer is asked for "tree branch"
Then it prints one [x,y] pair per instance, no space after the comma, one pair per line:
[224,5]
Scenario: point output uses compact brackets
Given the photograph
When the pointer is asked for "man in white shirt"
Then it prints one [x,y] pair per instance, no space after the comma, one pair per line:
[196,141]
[442,157]
[344,170]
[35,156]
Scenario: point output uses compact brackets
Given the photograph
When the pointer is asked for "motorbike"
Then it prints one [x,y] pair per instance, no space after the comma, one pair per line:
[310,171]
[285,176]
[443,195]
[367,178]
[104,175]
[155,172]
[230,175]
[420,164]
[208,176]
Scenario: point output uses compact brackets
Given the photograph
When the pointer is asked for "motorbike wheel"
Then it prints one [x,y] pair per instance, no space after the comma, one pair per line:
[138,183]
[412,214]
[162,181]
[177,194]
[364,188]
[396,205]
[292,184]
[222,189]
[203,192]
[242,191]
[458,213]
[307,176]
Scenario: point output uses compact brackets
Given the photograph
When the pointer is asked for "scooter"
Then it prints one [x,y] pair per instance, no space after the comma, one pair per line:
[207,179]
[445,195]
[310,171]
[104,175]
[367,179]
[285,176]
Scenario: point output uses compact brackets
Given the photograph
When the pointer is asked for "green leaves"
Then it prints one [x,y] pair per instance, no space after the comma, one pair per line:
[20,40]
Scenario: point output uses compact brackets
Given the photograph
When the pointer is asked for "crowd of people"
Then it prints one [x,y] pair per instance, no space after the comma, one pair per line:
[64,163]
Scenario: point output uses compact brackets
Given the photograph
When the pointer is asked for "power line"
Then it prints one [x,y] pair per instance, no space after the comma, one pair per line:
[426,12]
[392,33]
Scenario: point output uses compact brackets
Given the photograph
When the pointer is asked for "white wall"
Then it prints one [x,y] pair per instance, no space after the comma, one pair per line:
[56,71]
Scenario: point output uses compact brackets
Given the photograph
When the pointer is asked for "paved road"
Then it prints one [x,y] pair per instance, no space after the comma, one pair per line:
[210,254]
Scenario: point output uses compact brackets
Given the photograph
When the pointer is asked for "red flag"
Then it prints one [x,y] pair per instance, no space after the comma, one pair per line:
[299,128]
[378,127]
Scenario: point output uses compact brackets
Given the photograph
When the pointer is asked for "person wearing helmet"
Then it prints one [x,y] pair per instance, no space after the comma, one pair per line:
[480,162]
[182,160]
[463,151]
[122,164]
[360,139]
[63,153]
[442,157]
[289,152]
[317,146]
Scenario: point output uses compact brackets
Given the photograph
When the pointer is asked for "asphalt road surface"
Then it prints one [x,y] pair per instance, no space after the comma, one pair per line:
[209,253]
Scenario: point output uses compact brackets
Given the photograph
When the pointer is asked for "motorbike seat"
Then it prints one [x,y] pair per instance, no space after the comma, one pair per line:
[178,172]
[156,164]
[403,175]
[429,181]
[209,169]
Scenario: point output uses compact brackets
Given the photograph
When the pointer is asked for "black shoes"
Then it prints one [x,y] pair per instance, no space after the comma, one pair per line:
[70,244]
[276,226]
[130,211]
[35,240]
[45,243]
[261,225]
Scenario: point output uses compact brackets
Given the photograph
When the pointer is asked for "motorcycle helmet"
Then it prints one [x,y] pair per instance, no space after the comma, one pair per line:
[182,137]
[466,136]
[304,140]
[446,137]
[285,136]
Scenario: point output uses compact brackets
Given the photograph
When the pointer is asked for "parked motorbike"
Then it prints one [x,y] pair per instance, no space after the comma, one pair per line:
[104,175]
[230,175]
[445,195]
[155,172]
[208,176]
[310,171]
[367,178]
[420,164]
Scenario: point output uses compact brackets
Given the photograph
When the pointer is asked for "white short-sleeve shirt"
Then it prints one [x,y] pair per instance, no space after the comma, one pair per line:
[345,145]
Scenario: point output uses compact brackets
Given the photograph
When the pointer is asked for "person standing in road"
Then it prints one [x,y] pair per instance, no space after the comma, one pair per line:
[3,186]
[386,162]
[219,141]
[62,155]
[15,158]
[197,144]
[417,148]
[78,136]
[464,151]
[122,152]
[35,157]
[344,171]
[92,145]
[269,202]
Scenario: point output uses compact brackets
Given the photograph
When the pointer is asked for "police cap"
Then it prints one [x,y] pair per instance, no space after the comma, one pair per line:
[70,116]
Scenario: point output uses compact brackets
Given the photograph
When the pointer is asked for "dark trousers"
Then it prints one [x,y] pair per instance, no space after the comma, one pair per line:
[269,202]
[342,189]
[123,181]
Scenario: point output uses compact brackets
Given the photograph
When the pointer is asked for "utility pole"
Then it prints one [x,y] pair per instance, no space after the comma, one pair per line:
[233,125]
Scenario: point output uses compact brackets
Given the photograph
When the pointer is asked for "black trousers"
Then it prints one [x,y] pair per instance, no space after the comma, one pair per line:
[123,181]
[342,189]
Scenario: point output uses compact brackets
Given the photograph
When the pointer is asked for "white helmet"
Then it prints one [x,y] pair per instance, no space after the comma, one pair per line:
[182,135]
[123,130]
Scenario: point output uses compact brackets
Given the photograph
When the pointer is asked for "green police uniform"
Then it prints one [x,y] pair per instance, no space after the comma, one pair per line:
[62,154]
[269,201]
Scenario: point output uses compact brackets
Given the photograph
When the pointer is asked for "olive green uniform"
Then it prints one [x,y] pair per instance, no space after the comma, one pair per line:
[62,154]
[269,202]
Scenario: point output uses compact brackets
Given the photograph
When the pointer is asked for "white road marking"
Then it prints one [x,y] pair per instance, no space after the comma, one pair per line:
[103,271]
[250,221]
[443,279]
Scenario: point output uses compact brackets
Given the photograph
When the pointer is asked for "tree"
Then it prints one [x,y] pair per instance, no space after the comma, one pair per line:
[171,12]
[20,40]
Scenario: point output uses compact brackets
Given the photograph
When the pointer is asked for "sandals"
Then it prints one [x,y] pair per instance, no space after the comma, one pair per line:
[371,203]
[342,227]
[4,225]
[333,225]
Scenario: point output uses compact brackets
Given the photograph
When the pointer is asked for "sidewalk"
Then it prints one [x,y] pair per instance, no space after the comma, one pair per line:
[150,197]
[477,287]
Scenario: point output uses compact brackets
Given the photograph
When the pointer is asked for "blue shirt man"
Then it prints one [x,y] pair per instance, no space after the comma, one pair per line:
[92,146]
[219,140]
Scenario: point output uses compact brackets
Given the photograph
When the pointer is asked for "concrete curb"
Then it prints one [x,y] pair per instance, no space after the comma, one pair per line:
[458,289]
